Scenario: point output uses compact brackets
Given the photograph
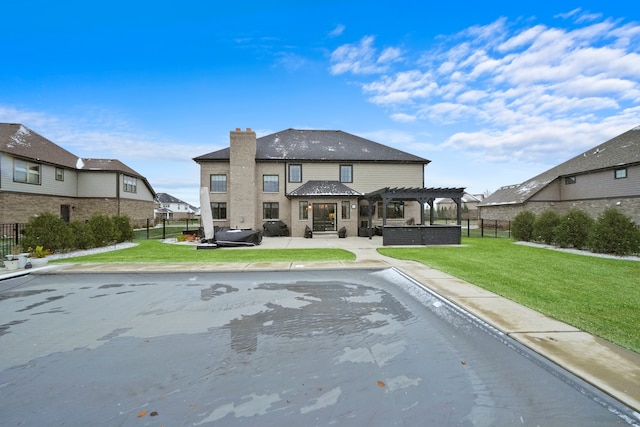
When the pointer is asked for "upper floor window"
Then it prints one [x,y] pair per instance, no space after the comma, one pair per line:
[295,173]
[346,173]
[59,174]
[621,173]
[130,184]
[270,183]
[570,179]
[26,172]
[218,183]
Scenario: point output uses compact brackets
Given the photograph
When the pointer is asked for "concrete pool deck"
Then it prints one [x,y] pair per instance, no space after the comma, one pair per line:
[610,368]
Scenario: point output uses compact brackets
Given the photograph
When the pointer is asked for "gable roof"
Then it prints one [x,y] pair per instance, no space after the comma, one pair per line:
[323,188]
[20,141]
[320,145]
[617,152]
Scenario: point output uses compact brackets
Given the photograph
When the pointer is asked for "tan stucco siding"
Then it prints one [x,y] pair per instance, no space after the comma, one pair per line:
[367,177]
[48,183]
[97,184]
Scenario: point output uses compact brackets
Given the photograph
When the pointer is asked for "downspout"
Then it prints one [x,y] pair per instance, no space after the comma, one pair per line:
[118,175]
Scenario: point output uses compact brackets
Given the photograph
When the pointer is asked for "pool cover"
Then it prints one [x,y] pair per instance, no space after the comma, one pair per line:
[302,348]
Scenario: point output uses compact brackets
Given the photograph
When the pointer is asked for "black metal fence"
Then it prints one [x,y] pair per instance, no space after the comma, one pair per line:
[484,228]
[10,236]
[165,229]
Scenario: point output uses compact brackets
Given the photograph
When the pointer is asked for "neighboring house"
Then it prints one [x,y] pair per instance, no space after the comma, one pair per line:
[314,178]
[169,207]
[470,204]
[37,175]
[604,176]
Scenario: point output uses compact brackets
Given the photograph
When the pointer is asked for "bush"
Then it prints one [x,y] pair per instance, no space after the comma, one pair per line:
[522,226]
[82,235]
[573,230]
[544,227]
[124,228]
[104,229]
[46,230]
[614,233]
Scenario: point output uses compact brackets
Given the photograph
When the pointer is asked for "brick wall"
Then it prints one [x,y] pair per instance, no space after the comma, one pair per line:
[19,207]
[628,206]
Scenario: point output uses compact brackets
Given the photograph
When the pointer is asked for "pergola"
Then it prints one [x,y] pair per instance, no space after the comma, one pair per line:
[421,195]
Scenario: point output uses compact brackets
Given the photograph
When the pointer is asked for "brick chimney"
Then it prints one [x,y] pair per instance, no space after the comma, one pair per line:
[242,179]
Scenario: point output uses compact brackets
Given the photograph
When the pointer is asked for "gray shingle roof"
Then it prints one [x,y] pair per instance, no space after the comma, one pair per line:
[20,141]
[320,145]
[622,150]
[323,188]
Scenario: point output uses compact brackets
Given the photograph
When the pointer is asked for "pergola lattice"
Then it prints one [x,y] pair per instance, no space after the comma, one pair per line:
[421,195]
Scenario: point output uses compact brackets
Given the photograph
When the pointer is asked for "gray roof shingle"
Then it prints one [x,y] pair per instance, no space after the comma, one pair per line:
[622,150]
[320,145]
[323,188]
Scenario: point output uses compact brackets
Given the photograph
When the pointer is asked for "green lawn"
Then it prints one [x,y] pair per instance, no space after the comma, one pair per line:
[156,251]
[597,295]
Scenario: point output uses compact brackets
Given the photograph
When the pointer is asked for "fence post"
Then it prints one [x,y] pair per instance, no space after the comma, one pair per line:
[147,228]
[496,229]
[468,227]
[164,228]
[16,233]
[509,232]
[481,227]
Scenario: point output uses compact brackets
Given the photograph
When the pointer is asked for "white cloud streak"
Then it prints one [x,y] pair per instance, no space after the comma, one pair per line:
[514,92]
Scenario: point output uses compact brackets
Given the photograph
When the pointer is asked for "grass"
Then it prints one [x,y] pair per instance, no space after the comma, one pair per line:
[597,295]
[156,251]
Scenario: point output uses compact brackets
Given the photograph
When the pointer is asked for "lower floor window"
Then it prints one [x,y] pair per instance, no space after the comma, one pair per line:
[219,210]
[394,210]
[346,212]
[270,210]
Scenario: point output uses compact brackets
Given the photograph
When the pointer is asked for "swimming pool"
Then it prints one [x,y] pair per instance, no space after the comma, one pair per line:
[326,347]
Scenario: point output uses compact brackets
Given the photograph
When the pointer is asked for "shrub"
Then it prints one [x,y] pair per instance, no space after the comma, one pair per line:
[574,229]
[103,229]
[614,233]
[82,235]
[544,227]
[46,230]
[124,228]
[522,226]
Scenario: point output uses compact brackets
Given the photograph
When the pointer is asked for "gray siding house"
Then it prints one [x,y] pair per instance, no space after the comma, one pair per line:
[169,207]
[314,178]
[605,176]
[37,175]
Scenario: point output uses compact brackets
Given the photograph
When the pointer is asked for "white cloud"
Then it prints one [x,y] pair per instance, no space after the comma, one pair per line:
[519,92]
[403,118]
[362,58]
[337,31]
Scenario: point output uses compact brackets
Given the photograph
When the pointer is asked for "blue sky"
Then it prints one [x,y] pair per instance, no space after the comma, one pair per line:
[491,92]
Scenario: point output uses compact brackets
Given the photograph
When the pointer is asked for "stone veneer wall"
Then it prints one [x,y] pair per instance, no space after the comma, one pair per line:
[19,207]
[628,206]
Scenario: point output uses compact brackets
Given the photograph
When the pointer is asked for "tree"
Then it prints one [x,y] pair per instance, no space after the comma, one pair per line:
[573,229]
[615,233]
[522,226]
[544,227]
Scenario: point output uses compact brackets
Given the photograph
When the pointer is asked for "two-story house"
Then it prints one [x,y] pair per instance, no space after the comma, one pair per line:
[314,178]
[170,207]
[37,175]
[607,175]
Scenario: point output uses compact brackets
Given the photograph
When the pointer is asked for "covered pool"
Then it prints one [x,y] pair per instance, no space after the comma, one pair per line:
[301,348]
